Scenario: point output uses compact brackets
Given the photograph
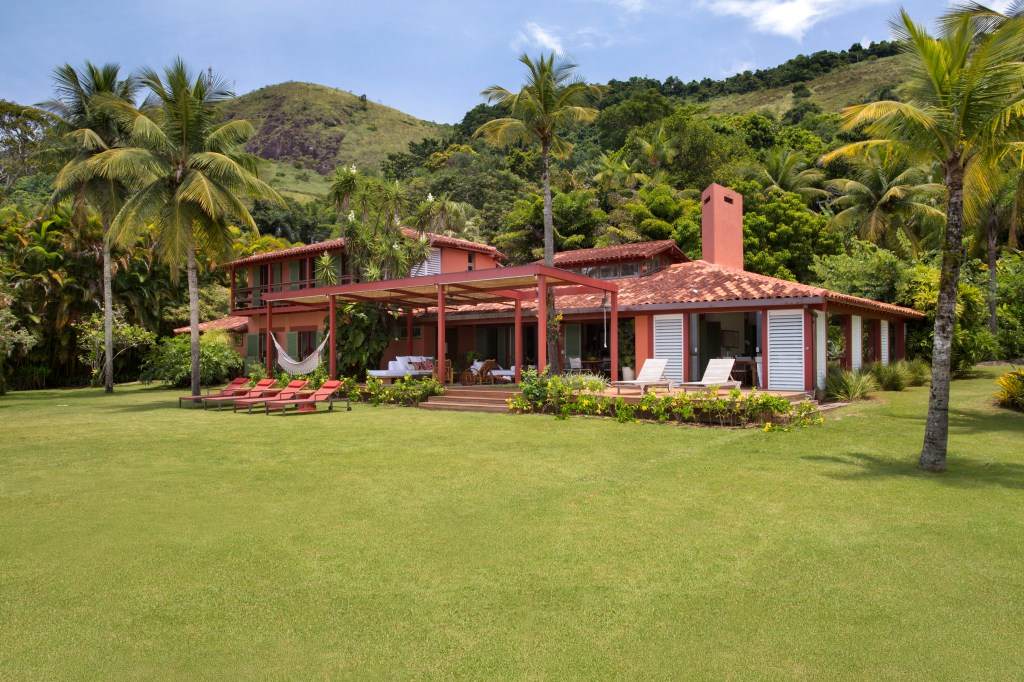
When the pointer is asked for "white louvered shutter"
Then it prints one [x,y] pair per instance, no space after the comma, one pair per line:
[431,266]
[668,344]
[885,341]
[786,350]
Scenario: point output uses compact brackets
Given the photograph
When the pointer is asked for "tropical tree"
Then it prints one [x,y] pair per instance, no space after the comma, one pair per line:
[551,99]
[887,197]
[615,173]
[89,129]
[659,149]
[189,170]
[789,170]
[964,111]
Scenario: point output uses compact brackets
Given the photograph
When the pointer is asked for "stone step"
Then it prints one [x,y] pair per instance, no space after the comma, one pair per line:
[503,400]
[441,404]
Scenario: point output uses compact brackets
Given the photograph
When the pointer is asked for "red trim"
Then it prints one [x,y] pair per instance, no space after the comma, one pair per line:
[441,355]
[519,342]
[332,345]
[764,348]
[542,322]
[615,337]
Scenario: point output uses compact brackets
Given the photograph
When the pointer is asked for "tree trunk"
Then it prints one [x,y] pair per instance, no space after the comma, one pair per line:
[193,317]
[993,253]
[936,430]
[108,314]
[554,362]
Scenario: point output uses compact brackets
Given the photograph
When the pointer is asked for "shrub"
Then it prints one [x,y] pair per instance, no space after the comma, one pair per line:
[1011,393]
[171,360]
[407,391]
[848,386]
[892,377]
[920,371]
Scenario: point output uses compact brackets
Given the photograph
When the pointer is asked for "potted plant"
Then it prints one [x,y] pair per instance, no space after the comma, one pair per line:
[626,361]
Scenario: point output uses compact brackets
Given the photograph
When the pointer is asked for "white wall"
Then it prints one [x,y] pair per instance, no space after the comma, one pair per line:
[820,347]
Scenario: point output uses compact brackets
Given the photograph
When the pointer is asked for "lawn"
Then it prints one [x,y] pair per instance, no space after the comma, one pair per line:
[140,541]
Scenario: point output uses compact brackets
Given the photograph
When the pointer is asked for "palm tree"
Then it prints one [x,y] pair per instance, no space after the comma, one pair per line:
[189,171]
[964,112]
[91,130]
[1000,218]
[551,99]
[659,149]
[790,171]
[614,172]
[887,196]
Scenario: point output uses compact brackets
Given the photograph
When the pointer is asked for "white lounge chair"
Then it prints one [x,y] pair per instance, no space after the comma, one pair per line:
[651,375]
[402,366]
[718,373]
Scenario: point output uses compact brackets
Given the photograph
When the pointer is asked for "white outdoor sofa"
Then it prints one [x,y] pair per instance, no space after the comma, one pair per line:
[402,366]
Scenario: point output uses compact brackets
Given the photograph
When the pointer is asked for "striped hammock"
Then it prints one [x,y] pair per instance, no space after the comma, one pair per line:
[288,364]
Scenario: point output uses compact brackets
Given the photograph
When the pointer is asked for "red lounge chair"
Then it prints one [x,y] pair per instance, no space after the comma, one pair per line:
[288,392]
[236,387]
[263,387]
[324,394]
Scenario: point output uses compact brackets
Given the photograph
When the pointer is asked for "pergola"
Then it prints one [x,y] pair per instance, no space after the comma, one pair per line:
[493,285]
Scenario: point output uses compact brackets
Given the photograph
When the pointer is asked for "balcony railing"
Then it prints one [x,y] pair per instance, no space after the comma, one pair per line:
[251,298]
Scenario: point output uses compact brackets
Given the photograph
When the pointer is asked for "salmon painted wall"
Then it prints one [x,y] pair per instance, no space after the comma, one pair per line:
[644,340]
[457,260]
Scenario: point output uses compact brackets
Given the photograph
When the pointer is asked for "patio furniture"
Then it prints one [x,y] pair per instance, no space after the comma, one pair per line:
[405,366]
[289,391]
[718,373]
[506,375]
[324,394]
[445,375]
[235,387]
[575,366]
[480,372]
[651,375]
[263,387]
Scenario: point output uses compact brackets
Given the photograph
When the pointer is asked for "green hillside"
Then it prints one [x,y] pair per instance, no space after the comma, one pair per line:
[312,129]
[846,85]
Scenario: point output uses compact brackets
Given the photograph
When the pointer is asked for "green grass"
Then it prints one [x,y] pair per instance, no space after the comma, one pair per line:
[142,541]
[833,91]
[301,184]
[323,127]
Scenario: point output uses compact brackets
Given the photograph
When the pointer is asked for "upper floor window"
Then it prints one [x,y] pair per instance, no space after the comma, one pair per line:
[471,261]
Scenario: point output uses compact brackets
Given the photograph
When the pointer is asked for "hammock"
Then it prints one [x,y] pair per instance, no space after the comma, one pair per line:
[299,367]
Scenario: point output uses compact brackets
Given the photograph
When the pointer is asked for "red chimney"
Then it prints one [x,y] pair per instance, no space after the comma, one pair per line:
[721,222]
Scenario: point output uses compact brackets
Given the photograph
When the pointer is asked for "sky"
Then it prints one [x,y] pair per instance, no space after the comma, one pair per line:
[429,58]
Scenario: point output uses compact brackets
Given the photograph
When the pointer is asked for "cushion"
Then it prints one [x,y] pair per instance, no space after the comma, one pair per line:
[428,364]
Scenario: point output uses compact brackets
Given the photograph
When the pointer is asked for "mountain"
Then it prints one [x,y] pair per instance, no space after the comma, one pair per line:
[849,84]
[311,129]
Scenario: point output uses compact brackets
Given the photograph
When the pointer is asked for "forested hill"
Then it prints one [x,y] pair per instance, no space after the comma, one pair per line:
[321,128]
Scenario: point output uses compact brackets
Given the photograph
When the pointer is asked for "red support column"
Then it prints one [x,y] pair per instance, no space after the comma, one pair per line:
[408,332]
[519,341]
[542,322]
[615,337]
[332,345]
[270,339]
[808,350]
[442,361]
[764,348]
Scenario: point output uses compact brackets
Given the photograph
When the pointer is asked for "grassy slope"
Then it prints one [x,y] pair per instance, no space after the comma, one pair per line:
[142,541]
[323,128]
[833,91]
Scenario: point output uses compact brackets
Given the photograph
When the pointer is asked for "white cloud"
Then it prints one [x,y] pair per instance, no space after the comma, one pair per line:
[535,35]
[792,18]
[630,5]
[739,66]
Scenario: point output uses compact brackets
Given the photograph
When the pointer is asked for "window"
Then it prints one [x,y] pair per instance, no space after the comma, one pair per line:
[471,261]
[303,271]
[609,271]
[589,272]
[629,269]
[263,346]
[307,344]
[264,275]
[649,265]
[403,332]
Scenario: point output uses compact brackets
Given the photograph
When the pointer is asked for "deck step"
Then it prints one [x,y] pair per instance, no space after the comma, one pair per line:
[435,404]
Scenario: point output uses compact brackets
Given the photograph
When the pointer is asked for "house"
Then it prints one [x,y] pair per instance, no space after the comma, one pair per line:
[661,304]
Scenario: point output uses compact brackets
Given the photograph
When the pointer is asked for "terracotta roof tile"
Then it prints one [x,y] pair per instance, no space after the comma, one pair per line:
[603,254]
[337,244]
[703,282]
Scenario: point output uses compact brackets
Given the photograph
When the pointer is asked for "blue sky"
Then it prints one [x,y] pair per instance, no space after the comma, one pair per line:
[430,59]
